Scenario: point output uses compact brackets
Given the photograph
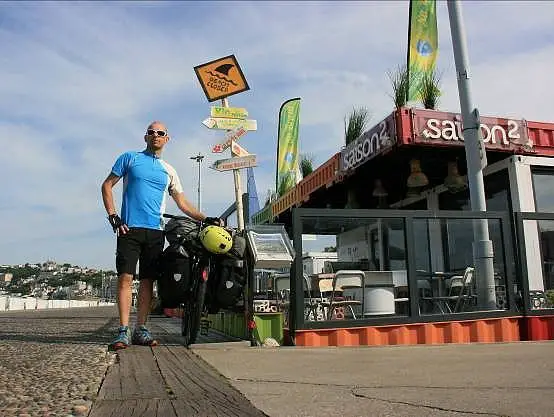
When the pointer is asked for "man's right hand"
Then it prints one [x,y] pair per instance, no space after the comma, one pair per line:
[216,221]
[117,224]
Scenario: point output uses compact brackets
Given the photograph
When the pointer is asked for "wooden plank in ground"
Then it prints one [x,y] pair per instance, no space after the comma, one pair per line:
[195,384]
[133,408]
[139,374]
[111,386]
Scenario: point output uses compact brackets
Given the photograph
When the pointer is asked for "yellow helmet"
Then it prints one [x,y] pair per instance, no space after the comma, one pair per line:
[216,239]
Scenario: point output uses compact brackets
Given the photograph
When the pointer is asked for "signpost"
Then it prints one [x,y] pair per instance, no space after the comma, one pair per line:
[238,150]
[226,124]
[229,112]
[237,162]
[219,79]
[230,137]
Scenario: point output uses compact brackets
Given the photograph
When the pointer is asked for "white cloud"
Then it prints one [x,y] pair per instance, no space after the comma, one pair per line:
[81,81]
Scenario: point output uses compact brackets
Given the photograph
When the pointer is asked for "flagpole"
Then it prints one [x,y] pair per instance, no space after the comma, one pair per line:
[476,161]
[408,52]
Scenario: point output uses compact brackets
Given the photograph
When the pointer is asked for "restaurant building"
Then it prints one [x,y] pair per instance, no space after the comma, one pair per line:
[395,206]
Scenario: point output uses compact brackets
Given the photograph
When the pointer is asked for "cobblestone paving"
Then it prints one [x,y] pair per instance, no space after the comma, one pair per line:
[52,362]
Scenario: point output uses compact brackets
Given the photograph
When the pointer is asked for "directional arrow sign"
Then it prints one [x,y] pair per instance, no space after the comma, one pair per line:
[230,112]
[235,163]
[231,136]
[228,124]
[238,150]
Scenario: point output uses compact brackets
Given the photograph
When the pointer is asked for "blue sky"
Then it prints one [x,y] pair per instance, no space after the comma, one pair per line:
[79,82]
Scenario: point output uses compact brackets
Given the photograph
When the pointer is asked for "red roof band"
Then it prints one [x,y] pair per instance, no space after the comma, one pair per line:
[417,127]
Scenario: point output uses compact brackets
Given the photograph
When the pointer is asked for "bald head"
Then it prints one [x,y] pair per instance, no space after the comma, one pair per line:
[157,125]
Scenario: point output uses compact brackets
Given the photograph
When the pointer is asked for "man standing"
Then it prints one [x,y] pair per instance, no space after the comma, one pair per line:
[146,178]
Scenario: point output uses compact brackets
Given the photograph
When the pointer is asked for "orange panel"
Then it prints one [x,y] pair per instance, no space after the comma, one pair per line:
[540,327]
[481,331]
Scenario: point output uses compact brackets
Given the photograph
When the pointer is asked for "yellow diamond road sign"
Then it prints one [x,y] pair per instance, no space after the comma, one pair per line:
[221,78]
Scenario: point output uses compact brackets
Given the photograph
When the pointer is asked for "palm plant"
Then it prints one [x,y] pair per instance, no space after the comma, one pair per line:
[283,186]
[271,197]
[400,83]
[355,123]
[429,90]
[306,164]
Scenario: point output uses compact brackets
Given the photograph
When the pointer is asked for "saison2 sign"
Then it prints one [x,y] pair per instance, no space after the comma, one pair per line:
[371,143]
[446,128]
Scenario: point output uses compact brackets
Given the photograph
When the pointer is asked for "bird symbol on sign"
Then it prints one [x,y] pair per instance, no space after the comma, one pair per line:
[223,69]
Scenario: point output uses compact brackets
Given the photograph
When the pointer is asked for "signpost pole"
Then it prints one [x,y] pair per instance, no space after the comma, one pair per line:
[238,188]
[476,161]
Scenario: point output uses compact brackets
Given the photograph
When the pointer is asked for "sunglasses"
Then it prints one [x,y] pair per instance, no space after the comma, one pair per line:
[151,132]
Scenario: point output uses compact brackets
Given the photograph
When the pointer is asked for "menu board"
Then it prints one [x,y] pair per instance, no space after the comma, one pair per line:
[271,247]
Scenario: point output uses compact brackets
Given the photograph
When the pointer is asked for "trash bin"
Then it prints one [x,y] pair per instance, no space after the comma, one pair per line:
[378,293]
[269,325]
[379,299]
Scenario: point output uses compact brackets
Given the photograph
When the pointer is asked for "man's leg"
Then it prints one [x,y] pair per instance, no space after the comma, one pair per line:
[150,252]
[144,300]
[124,298]
[128,249]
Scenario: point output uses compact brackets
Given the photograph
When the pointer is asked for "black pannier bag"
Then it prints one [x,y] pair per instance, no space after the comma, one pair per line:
[227,283]
[174,278]
[238,248]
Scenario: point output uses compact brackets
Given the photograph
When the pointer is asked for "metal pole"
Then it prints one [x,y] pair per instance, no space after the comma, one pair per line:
[198,158]
[238,188]
[476,161]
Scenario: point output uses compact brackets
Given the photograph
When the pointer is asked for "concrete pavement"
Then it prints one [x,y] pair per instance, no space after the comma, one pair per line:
[54,363]
[514,379]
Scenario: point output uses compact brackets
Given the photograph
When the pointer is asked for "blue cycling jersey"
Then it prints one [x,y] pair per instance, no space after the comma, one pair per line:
[146,178]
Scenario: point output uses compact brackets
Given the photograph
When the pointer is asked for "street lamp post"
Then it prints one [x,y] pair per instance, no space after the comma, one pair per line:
[476,161]
[198,158]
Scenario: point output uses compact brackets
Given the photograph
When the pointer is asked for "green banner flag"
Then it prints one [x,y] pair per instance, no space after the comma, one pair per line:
[423,43]
[287,146]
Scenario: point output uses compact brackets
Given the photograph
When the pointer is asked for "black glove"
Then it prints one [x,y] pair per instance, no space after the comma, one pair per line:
[115,221]
[216,221]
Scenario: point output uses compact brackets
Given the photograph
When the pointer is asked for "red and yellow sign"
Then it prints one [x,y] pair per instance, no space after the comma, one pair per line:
[221,78]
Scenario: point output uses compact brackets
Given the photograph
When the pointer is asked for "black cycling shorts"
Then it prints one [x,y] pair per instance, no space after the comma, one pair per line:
[141,244]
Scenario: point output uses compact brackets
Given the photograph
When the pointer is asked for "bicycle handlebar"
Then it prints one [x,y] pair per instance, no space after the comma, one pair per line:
[173,216]
[199,223]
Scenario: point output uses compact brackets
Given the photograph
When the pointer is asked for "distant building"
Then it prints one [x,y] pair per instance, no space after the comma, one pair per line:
[6,277]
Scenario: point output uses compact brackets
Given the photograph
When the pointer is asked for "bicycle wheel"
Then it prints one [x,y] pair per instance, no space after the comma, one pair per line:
[192,310]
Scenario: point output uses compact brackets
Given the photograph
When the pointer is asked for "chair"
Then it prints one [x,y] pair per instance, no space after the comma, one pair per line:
[345,279]
[281,285]
[459,291]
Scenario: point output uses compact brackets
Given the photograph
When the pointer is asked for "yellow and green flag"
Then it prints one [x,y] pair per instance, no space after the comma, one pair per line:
[423,43]
[288,172]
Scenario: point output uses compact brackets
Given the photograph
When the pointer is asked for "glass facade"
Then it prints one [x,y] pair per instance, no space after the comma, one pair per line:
[543,186]
[458,252]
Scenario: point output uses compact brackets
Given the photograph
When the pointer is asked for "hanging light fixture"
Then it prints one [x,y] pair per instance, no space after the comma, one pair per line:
[454,181]
[417,179]
[380,193]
